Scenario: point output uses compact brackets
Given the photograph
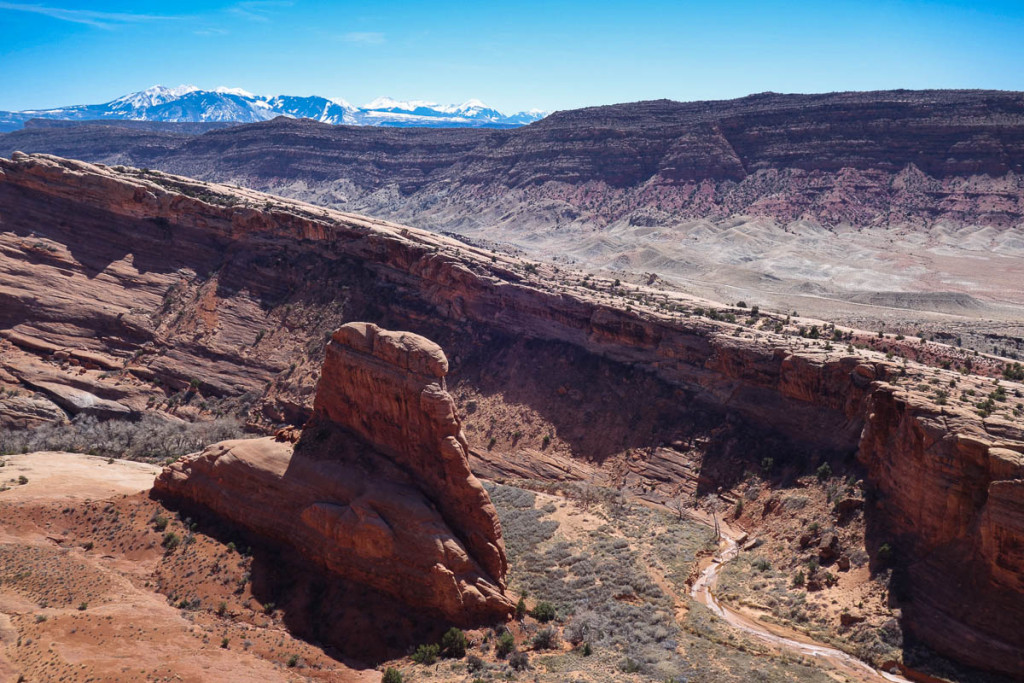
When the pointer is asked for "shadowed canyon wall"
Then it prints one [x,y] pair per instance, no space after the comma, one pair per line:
[175,280]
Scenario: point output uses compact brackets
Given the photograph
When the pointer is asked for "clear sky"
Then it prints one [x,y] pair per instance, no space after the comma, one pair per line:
[513,55]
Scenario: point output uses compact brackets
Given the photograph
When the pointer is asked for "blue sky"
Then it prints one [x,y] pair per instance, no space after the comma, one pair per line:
[513,55]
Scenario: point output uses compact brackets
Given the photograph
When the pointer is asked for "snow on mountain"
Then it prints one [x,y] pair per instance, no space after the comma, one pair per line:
[226,104]
[233,91]
[151,97]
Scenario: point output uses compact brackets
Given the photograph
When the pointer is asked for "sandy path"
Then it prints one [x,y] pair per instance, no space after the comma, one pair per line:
[703,592]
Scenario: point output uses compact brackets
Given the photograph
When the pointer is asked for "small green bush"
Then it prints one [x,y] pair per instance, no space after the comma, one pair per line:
[454,643]
[521,608]
[543,612]
[171,541]
[392,675]
[426,654]
[505,645]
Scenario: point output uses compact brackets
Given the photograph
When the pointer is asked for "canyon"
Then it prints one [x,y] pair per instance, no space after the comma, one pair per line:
[128,292]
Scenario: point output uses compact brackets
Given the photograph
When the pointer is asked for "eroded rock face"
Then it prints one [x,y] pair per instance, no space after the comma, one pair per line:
[952,499]
[388,388]
[111,276]
[378,490]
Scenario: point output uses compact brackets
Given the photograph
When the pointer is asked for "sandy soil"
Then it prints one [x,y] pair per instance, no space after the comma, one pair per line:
[74,609]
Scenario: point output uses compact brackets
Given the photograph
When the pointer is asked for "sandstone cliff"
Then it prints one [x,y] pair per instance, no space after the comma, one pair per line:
[174,279]
[378,491]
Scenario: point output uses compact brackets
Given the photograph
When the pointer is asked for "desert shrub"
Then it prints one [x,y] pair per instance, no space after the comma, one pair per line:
[474,664]
[150,439]
[160,522]
[521,608]
[546,639]
[589,584]
[505,645]
[1014,371]
[392,675]
[519,661]
[426,654]
[453,643]
[171,541]
[543,612]
[630,666]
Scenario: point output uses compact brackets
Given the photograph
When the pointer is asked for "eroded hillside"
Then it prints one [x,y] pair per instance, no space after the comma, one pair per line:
[890,209]
[126,292]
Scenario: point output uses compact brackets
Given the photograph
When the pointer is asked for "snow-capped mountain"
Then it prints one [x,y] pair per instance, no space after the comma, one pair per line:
[189,103]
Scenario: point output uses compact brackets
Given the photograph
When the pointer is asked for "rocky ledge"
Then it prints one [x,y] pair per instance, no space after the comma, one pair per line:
[377,490]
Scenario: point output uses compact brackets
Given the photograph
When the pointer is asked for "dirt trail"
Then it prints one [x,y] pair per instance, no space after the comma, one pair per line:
[703,592]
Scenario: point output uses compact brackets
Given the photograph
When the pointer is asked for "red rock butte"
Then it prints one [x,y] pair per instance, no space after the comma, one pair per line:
[379,479]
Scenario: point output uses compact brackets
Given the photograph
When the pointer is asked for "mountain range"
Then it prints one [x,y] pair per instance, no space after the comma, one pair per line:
[187,103]
[856,202]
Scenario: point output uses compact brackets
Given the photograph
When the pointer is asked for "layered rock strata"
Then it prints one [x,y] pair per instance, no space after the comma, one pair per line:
[840,158]
[378,491]
[951,498]
[122,240]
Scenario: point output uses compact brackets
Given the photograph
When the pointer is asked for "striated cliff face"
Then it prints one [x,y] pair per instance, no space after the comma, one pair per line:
[950,492]
[402,515]
[860,158]
[237,263]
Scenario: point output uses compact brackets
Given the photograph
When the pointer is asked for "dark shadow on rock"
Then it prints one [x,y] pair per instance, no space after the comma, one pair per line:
[352,623]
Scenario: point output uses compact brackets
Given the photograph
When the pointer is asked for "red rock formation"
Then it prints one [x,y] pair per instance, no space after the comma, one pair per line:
[951,497]
[388,388]
[942,498]
[378,489]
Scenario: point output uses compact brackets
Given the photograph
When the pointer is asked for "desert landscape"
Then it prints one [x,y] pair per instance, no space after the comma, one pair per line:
[312,445]
[546,342]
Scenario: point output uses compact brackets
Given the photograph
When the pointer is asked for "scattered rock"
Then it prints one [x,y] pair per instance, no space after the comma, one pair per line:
[847,619]
[828,551]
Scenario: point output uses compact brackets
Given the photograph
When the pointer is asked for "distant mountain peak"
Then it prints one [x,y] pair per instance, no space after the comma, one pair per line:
[188,103]
[391,103]
[232,91]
